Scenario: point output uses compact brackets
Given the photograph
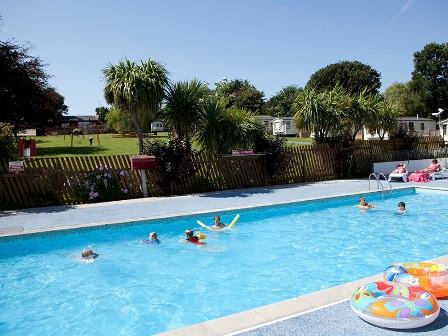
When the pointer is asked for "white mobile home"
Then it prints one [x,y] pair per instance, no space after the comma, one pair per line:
[265,120]
[283,126]
[416,125]
[157,126]
[443,125]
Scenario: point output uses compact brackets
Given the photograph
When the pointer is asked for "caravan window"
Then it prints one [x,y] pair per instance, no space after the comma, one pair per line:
[288,124]
[411,126]
[422,126]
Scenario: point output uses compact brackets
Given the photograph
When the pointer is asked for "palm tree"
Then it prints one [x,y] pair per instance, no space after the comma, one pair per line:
[183,106]
[318,112]
[385,119]
[220,129]
[137,90]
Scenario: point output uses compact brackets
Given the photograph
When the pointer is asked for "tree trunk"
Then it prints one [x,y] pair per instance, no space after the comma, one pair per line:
[140,140]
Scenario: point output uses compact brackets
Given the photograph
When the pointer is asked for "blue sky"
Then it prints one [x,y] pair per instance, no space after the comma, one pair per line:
[270,43]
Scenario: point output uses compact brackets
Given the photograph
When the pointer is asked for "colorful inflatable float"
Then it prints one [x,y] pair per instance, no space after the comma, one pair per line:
[429,276]
[393,305]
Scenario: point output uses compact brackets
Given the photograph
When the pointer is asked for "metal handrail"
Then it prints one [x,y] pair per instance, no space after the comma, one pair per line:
[388,182]
[377,180]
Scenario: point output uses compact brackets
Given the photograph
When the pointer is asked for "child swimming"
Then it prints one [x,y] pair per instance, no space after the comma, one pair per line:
[363,205]
[152,239]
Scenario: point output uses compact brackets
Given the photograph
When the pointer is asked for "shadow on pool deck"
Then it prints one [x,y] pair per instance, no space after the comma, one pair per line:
[50,209]
[252,190]
[339,320]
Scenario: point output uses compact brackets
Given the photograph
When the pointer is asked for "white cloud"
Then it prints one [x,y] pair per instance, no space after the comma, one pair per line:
[406,6]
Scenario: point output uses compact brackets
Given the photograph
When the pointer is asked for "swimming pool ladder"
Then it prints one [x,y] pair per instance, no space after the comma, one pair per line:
[379,183]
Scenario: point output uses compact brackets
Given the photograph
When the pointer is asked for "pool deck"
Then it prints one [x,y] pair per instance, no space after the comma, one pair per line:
[296,316]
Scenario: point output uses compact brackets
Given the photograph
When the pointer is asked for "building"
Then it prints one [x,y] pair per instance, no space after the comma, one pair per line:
[157,126]
[283,126]
[416,125]
[265,120]
[82,122]
[443,125]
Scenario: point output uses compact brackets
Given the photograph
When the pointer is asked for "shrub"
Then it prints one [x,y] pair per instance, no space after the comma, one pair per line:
[8,142]
[101,186]
[275,147]
[173,161]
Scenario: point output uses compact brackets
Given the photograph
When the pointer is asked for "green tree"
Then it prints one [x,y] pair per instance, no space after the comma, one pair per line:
[8,142]
[404,99]
[183,106]
[26,99]
[102,112]
[220,129]
[318,112]
[356,110]
[430,77]
[137,90]
[281,104]
[119,121]
[353,76]
[240,94]
[384,119]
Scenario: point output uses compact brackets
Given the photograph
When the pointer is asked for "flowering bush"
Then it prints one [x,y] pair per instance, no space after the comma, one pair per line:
[101,186]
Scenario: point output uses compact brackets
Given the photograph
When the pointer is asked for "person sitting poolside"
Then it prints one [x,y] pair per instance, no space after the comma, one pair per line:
[152,239]
[401,169]
[217,225]
[363,205]
[432,168]
[401,207]
[88,254]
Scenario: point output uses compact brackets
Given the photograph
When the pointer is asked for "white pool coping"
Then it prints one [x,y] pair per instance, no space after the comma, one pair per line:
[18,230]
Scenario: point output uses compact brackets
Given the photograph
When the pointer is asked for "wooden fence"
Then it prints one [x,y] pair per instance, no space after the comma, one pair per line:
[51,181]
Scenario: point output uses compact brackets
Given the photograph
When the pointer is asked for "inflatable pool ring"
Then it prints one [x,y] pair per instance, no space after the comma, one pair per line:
[232,223]
[396,306]
[429,276]
[200,235]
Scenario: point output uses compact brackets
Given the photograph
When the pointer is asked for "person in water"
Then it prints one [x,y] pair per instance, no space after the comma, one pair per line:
[190,237]
[152,239]
[401,207]
[217,225]
[88,254]
[363,205]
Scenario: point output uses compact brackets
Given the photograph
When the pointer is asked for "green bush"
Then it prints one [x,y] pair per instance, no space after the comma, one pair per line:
[275,148]
[8,142]
[100,186]
[173,161]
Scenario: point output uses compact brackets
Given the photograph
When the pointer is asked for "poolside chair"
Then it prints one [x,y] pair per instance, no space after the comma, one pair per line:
[403,176]
[442,174]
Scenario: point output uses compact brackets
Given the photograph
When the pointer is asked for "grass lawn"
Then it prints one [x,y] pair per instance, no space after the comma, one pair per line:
[296,141]
[51,146]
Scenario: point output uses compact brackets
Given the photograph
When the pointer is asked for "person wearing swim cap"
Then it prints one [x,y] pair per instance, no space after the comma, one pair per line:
[190,237]
[152,239]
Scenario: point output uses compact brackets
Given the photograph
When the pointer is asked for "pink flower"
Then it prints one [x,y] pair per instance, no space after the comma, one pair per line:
[125,190]
[122,173]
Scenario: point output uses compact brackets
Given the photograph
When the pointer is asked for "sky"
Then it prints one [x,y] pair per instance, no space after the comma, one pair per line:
[270,43]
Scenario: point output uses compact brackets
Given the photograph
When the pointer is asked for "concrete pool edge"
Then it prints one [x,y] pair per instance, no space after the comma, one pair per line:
[19,231]
[269,314]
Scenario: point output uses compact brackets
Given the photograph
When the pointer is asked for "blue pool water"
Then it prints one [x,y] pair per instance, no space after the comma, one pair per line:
[274,253]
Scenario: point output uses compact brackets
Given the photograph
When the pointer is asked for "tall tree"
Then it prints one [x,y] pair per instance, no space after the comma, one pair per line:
[119,121]
[318,112]
[240,94]
[353,76]
[137,90]
[220,129]
[407,101]
[102,112]
[281,104]
[430,77]
[182,107]
[26,100]
[384,119]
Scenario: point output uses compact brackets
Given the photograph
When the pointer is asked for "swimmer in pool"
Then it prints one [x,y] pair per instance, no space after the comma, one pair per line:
[401,208]
[217,225]
[152,239]
[191,238]
[88,254]
[363,205]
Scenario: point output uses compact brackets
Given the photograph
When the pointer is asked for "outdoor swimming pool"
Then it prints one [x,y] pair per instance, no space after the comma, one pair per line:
[273,254]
